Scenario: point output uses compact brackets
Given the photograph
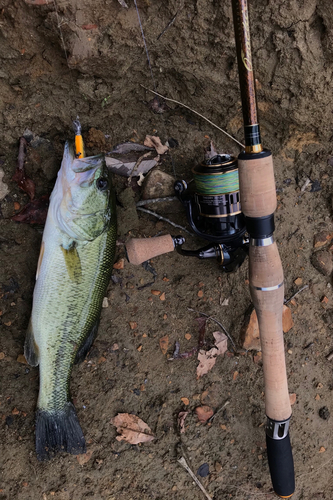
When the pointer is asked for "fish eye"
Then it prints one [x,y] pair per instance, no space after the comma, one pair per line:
[102,183]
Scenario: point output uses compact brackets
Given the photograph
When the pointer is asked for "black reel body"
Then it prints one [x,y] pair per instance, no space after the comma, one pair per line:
[214,213]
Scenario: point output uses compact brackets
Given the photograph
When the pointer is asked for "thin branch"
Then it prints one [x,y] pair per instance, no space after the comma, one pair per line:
[193,111]
[183,463]
[170,23]
[156,200]
[150,212]
[293,296]
[218,323]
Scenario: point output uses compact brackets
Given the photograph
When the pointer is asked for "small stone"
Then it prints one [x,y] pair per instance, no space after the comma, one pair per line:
[105,302]
[217,466]
[185,401]
[139,348]
[200,294]
[15,411]
[188,336]
[298,281]
[3,187]
[322,449]
[320,239]
[162,296]
[290,351]
[320,385]
[17,206]
[324,413]
[133,325]
[324,300]
[317,398]
[322,262]
[203,470]
[155,292]
[120,264]
[158,184]
[164,344]
[85,457]
[2,355]
[235,375]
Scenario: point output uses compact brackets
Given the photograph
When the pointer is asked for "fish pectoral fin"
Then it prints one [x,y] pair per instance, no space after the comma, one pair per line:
[73,263]
[88,342]
[31,351]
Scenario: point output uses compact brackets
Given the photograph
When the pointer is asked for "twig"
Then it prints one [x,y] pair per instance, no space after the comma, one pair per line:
[193,111]
[150,212]
[170,23]
[330,356]
[156,200]
[136,166]
[218,323]
[183,463]
[217,411]
[293,296]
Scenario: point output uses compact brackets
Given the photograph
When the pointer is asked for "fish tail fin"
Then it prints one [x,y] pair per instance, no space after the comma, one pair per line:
[57,431]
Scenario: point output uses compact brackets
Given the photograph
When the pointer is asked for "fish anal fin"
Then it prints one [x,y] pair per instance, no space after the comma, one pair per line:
[73,263]
[85,347]
[31,351]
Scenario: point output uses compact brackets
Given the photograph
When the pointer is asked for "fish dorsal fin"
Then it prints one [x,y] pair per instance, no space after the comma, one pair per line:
[31,351]
[73,263]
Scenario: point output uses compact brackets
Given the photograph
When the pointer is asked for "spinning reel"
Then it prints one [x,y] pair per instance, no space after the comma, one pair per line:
[214,213]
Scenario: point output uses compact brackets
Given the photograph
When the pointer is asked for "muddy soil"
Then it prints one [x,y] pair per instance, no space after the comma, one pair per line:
[94,67]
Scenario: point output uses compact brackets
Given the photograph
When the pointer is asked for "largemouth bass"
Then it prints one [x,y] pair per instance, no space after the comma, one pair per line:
[73,272]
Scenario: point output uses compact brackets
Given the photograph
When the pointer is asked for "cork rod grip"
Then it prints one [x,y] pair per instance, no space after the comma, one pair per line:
[266,273]
[141,249]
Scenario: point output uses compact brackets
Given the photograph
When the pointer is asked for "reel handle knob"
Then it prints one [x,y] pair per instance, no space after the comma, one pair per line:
[141,249]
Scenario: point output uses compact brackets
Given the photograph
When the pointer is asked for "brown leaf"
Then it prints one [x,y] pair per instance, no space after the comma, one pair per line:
[207,360]
[34,212]
[204,413]
[164,343]
[21,359]
[85,457]
[181,421]
[132,429]
[221,342]
[152,141]
[292,398]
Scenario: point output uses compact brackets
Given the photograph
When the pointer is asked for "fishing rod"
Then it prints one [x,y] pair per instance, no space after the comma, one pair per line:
[216,213]
[258,196]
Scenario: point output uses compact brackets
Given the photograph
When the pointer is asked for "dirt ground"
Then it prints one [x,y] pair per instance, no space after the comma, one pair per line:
[194,62]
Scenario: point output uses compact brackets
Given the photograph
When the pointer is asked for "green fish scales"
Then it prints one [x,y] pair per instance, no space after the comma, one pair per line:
[73,273]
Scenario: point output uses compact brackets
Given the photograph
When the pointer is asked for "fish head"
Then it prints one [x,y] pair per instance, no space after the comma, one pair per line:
[83,196]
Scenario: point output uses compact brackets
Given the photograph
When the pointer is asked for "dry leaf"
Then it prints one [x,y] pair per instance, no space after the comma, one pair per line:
[207,360]
[181,420]
[85,457]
[221,342]
[152,141]
[132,429]
[164,343]
[21,359]
[204,413]
[292,398]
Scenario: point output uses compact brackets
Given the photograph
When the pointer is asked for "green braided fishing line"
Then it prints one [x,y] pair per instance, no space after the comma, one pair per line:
[216,184]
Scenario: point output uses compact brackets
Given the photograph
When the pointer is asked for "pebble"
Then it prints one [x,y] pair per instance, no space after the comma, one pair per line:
[105,302]
[322,262]
[203,470]
[324,413]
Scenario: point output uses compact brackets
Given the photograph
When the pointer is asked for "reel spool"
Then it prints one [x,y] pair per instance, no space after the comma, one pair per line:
[214,211]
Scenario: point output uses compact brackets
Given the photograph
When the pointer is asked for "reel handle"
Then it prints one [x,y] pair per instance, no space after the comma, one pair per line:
[141,249]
